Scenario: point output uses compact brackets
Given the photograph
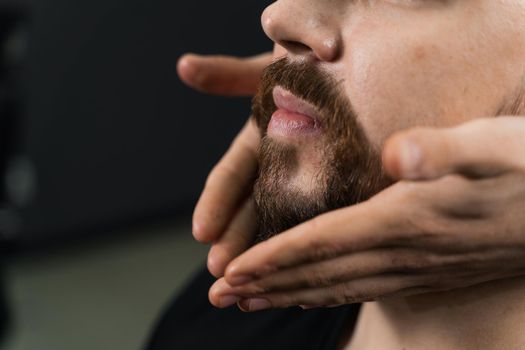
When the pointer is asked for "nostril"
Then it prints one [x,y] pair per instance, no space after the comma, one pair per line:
[295,46]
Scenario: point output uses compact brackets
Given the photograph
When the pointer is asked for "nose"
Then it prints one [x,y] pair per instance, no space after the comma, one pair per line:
[304,28]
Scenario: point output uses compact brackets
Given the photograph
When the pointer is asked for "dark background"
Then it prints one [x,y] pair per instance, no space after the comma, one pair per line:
[107,136]
[103,153]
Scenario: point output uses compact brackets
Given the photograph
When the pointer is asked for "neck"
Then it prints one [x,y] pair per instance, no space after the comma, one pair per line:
[487,316]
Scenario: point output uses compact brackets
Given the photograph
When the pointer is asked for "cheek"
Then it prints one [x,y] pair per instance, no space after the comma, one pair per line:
[397,85]
[400,79]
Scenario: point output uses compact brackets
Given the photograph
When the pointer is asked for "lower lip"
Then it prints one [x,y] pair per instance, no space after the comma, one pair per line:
[289,124]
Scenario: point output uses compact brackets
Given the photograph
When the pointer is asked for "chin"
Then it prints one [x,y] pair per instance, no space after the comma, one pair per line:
[280,207]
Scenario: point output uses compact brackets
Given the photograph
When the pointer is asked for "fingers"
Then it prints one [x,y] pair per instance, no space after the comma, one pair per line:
[481,148]
[439,273]
[430,216]
[365,226]
[355,291]
[227,186]
[408,214]
[223,75]
[348,267]
[238,237]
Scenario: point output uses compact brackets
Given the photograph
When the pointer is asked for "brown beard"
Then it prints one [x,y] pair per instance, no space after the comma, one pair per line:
[351,170]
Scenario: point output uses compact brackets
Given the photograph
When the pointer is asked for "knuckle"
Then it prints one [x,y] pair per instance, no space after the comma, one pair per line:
[400,218]
[408,192]
[350,295]
[320,279]
[285,301]
[414,196]
[319,249]
[258,288]
[337,295]
[417,262]
[415,229]
[406,263]
[433,229]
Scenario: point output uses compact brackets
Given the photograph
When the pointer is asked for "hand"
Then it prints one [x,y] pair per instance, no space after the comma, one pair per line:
[223,75]
[461,223]
[224,215]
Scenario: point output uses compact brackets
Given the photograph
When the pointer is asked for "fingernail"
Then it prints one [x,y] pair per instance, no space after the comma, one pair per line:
[411,158]
[238,280]
[255,304]
[228,300]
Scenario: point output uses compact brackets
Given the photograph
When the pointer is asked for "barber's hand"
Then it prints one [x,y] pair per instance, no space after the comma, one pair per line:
[457,222]
[223,75]
[224,215]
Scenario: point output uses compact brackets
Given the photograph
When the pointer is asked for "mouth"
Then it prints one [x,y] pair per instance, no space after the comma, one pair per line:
[294,117]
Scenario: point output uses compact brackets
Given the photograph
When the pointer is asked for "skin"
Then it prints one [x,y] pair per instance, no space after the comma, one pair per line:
[470,177]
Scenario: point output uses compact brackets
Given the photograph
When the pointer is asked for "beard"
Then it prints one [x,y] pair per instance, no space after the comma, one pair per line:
[350,171]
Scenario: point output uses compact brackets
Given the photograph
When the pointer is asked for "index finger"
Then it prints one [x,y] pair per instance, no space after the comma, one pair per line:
[223,75]
[371,224]
[227,185]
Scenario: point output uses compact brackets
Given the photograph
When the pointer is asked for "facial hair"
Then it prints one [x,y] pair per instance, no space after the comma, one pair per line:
[350,171]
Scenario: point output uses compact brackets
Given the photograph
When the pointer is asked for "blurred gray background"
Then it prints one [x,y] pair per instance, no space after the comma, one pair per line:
[103,153]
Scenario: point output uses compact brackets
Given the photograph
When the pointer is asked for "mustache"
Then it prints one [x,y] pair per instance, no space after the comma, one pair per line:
[302,79]
[306,81]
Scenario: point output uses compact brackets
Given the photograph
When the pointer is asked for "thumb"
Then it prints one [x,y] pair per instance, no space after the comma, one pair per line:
[480,148]
[223,75]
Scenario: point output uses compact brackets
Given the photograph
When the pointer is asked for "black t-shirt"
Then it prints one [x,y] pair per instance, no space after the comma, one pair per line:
[191,322]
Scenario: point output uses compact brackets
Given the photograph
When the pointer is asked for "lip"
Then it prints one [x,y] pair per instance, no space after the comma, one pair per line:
[284,99]
[294,118]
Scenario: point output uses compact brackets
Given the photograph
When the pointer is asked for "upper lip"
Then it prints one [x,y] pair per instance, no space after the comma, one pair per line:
[285,99]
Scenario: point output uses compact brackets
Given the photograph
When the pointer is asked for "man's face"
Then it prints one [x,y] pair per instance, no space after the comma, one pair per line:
[358,71]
